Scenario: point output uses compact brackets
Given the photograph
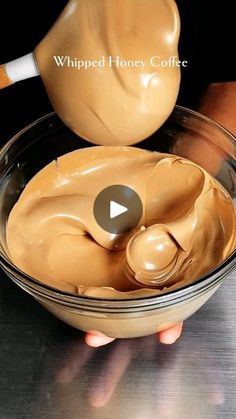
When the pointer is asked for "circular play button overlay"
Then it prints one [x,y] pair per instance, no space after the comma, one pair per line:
[117,209]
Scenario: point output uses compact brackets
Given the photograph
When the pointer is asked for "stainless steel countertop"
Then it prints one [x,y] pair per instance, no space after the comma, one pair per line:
[46,371]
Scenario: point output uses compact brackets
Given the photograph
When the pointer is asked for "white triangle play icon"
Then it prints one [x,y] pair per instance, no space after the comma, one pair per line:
[116,209]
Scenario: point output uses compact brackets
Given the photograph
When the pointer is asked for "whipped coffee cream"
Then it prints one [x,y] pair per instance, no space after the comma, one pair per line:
[126,51]
[188,225]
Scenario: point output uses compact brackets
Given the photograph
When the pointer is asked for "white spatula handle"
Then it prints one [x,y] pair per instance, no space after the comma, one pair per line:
[20,69]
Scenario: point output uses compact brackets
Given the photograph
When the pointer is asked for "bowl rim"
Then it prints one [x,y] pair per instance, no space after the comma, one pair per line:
[200,285]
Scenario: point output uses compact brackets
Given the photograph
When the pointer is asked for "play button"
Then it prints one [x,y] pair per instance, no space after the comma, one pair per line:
[117,209]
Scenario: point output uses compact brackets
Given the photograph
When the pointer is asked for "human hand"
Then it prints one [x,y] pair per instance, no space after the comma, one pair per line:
[219,102]
[168,336]
[207,145]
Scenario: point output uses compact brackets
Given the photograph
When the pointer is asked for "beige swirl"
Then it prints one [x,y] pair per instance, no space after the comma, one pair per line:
[188,225]
[113,105]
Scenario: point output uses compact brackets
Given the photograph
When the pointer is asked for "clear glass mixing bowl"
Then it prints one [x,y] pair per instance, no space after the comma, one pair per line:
[187,134]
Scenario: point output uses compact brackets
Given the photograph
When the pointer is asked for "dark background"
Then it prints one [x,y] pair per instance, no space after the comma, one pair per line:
[207,42]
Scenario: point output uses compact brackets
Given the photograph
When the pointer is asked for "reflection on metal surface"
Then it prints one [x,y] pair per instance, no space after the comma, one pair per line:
[50,373]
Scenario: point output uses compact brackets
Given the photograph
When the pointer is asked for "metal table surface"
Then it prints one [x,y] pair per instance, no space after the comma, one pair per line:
[46,371]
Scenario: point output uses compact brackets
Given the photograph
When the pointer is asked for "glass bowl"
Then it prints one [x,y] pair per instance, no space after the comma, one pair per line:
[187,134]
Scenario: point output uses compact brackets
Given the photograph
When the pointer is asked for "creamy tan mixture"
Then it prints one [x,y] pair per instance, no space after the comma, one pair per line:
[113,105]
[188,224]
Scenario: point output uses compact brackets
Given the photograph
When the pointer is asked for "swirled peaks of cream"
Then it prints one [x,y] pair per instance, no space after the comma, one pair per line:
[108,67]
[187,228]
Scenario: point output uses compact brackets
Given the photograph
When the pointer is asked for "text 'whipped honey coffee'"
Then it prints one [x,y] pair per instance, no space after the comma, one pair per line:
[109,67]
